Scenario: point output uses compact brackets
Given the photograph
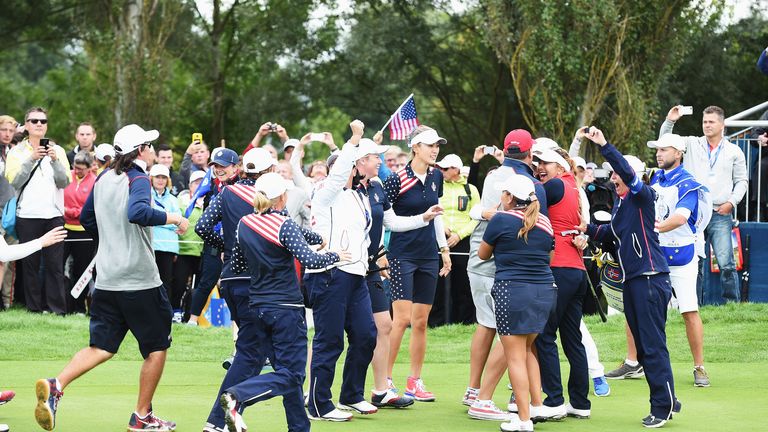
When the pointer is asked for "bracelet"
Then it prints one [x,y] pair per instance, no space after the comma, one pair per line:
[445,249]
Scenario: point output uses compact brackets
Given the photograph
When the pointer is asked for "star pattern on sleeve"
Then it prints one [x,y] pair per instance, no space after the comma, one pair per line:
[311,237]
[238,262]
[292,238]
[392,188]
[205,227]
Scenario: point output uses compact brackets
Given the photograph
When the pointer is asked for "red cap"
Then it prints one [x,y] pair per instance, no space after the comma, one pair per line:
[519,140]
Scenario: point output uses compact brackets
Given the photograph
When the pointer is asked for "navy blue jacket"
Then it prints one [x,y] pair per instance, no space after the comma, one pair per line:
[633,222]
[266,245]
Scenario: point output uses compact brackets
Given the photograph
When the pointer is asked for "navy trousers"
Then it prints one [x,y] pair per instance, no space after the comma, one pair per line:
[340,302]
[284,331]
[645,307]
[210,270]
[566,317]
[249,357]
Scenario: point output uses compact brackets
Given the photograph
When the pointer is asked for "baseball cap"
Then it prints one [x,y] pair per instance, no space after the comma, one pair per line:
[519,186]
[550,155]
[543,143]
[429,136]
[591,165]
[668,140]
[368,146]
[196,175]
[292,142]
[272,185]
[224,157]
[104,150]
[519,139]
[257,160]
[580,162]
[130,137]
[637,165]
[451,161]
[159,170]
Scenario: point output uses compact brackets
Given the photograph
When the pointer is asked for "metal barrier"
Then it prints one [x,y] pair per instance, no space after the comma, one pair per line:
[747,141]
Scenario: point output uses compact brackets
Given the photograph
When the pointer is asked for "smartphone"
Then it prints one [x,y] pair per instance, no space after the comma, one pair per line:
[686,110]
[44,142]
[586,130]
[489,150]
[317,137]
[197,137]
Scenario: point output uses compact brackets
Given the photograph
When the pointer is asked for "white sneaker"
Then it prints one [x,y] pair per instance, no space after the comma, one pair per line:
[335,416]
[578,413]
[470,396]
[487,410]
[362,407]
[515,425]
[544,413]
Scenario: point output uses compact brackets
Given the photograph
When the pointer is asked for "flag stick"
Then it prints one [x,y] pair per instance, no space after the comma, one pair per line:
[393,115]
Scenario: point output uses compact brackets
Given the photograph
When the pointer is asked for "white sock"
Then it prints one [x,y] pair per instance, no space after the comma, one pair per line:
[379,392]
[632,363]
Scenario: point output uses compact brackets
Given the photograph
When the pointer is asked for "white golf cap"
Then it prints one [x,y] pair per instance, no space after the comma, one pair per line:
[637,165]
[591,165]
[367,147]
[257,160]
[104,150]
[159,170]
[579,162]
[543,143]
[272,185]
[519,186]
[669,140]
[429,136]
[292,142]
[130,137]
[196,175]
[550,155]
[451,161]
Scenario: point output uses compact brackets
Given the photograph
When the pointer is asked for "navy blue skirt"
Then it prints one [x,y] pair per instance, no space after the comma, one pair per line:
[522,308]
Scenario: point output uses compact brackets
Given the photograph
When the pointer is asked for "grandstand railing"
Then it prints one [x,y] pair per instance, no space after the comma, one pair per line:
[747,140]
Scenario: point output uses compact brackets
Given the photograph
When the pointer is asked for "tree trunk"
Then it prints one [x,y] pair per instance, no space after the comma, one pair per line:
[128,36]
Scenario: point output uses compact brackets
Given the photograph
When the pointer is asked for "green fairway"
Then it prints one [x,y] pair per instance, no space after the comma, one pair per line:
[36,346]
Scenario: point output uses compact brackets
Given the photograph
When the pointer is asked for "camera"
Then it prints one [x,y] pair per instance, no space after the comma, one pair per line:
[489,150]
[273,127]
[686,110]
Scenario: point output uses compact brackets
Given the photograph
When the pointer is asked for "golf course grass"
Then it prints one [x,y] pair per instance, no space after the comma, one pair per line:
[37,346]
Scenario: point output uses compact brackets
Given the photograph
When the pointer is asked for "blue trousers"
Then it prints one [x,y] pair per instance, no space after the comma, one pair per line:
[719,233]
[210,270]
[645,307]
[284,331]
[566,317]
[340,303]
[249,357]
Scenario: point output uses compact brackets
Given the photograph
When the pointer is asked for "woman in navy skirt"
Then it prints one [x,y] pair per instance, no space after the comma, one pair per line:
[524,293]
[267,243]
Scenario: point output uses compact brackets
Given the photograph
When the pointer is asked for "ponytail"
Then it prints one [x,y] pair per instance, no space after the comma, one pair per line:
[261,203]
[531,215]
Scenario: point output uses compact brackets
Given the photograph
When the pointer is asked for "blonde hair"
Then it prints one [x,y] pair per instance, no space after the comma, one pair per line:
[261,203]
[529,222]
[8,119]
[417,130]
[567,158]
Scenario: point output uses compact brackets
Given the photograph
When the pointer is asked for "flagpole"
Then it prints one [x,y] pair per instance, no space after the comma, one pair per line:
[393,115]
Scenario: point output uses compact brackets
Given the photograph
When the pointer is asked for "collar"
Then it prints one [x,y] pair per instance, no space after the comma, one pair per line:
[141,164]
[409,170]
[283,212]
[518,166]
[247,182]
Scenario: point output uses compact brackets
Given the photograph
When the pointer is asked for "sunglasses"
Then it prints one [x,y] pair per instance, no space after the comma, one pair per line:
[36,121]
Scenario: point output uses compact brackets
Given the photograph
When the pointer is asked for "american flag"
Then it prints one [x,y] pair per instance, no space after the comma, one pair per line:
[403,121]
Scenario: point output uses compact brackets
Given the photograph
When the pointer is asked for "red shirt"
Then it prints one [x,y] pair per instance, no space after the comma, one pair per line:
[75,195]
[564,216]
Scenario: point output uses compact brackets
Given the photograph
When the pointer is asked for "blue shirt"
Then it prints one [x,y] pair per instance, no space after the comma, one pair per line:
[266,245]
[410,197]
[516,259]
[379,204]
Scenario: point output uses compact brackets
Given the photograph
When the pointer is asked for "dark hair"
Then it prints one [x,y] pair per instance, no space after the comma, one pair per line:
[123,162]
[517,155]
[713,109]
[86,124]
[33,110]
[163,147]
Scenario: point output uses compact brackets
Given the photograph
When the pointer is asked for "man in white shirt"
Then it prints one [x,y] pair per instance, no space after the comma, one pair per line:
[720,166]
[40,167]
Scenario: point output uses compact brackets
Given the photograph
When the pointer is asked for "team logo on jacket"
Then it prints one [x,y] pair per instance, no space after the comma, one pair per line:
[376,197]
[434,187]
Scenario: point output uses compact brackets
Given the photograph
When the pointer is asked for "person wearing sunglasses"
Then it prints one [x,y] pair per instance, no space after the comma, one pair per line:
[38,170]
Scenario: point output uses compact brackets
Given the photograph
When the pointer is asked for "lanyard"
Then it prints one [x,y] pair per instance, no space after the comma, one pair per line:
[361,201]
[717,154]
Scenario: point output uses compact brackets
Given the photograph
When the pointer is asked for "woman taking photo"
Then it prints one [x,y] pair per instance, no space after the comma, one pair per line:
[520,239]
[413,255]
[647,288]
